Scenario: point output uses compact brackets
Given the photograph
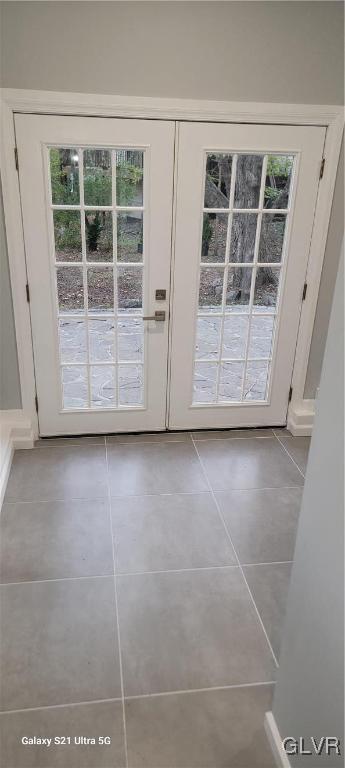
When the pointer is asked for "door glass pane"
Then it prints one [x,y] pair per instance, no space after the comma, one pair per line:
[102,351]
[278,181]
[67,236]
[102,340]
[266,289]
[129,177]
[261,335]
[208,338]
[130,236]
[130,334]
[130,289]
[74,386]
[230,381]
[211,289]
[100,285]
[99,235]
[235,337]
[248,181]
[97,177]
[272,237]
[131,390]
[256,380]
[235,327]
[218,180]
[70,289]
[243,232]
[72,337]
[64,176]
[103,386]
[214,232]
[205,383]
[238,289]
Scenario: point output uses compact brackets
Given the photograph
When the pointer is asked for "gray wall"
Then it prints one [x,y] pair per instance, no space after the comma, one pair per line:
[246,51]
[9,375]
[309,695]
[242,51]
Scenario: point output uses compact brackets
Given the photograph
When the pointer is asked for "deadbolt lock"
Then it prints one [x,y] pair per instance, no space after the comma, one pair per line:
[161,294]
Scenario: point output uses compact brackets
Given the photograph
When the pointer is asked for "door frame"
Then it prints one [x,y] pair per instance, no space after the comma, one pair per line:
[87,105]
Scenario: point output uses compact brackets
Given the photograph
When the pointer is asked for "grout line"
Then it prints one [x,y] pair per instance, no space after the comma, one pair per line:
[68,445]
[114,440]
[147,495]
[177,570]
[57,706]
[198,690]
[142,573]
[236,555]
[63,578]
[54,501]
[272,562]
[289,454]
[147,442]
[138,696]
[228,437]
[117,611]
[83,444]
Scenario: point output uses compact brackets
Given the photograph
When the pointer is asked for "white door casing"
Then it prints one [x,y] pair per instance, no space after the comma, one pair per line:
[196,142]
[35,135]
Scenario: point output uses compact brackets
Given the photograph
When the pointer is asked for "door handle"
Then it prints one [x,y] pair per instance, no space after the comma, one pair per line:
[159,316]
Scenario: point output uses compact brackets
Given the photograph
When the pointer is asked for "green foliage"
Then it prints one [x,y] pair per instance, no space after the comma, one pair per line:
[97,191]
[279,165]
[64,177]
[128,177]
[278,172]
[97,187]
[67,230]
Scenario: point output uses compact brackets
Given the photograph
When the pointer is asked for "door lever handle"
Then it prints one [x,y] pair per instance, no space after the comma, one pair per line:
[159,316]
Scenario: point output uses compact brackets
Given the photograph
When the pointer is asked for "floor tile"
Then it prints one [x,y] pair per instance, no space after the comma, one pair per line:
[153,437]
[298,448]
[270,585]
[67,442]
[227,434]
[146,468]
[208,729]
[232,464]
[192,629]
[52,474]
[59,643]
[154,533]
[262,523]
[55,539]
[90,720]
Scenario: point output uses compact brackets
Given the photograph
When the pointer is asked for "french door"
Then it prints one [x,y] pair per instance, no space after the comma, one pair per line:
[97,207]
[97,200]
[246,198]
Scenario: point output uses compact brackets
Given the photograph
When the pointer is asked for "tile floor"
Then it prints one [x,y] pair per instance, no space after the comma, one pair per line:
[143,589]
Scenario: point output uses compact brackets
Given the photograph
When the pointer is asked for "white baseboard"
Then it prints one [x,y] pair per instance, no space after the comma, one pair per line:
[15,432]
[301,417]
[280,757]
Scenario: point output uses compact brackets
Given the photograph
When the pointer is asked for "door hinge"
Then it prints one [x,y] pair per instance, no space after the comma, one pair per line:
[322,167]
[36,403]
[27,293]
[16,158]
[290,395]
[305,288]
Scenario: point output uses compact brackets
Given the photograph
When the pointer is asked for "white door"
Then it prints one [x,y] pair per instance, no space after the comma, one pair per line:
[97,206]
[246,197]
